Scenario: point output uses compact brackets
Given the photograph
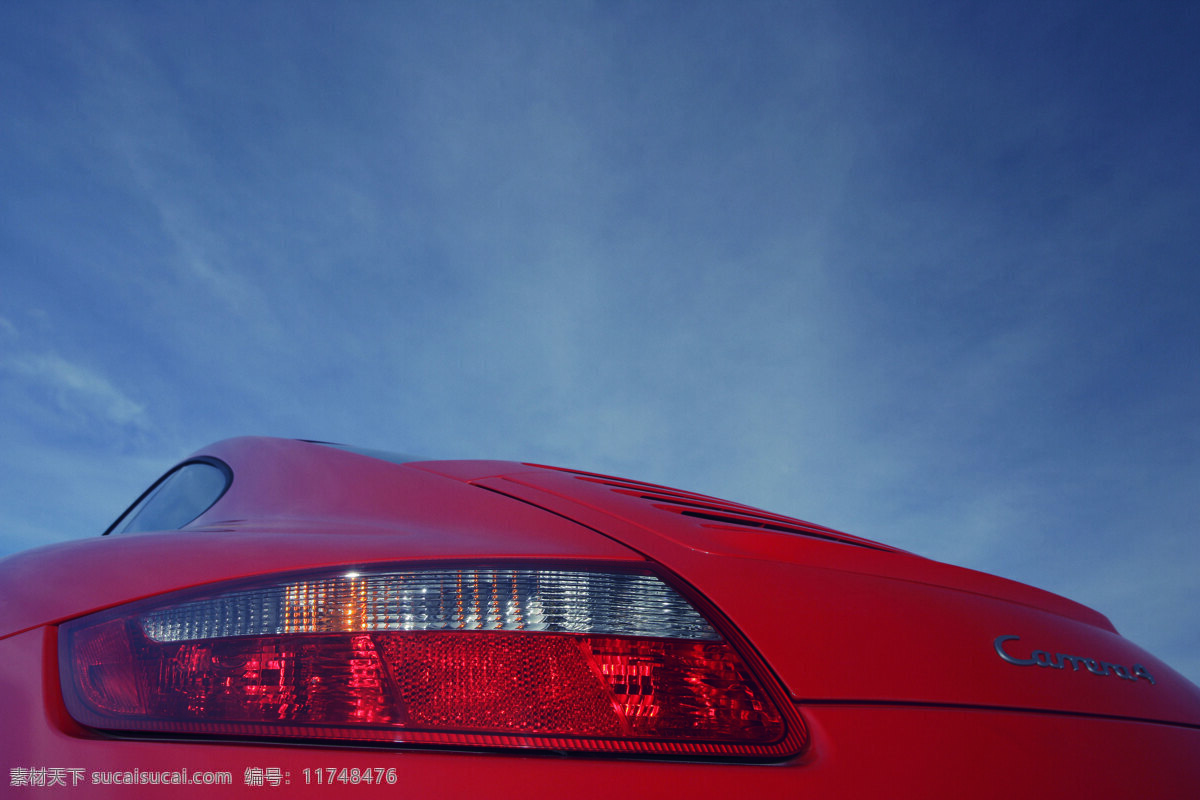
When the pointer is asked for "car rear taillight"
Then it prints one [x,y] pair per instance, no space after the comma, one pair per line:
[562,659]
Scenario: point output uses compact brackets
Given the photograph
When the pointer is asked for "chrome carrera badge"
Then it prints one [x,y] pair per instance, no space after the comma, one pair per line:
[1042,658]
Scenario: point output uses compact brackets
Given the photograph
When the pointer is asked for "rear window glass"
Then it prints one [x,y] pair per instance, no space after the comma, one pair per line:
[178,498]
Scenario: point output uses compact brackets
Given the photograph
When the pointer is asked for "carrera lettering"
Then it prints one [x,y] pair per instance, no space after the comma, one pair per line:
[1074,661]
[1043,658]
[999,645]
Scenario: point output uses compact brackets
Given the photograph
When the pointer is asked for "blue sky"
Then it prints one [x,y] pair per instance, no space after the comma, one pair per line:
[925,272]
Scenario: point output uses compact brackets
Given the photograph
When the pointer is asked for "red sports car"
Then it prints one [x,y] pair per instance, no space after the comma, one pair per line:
[300,617]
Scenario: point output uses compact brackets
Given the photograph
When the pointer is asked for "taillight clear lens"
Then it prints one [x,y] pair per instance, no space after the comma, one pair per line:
[530,657]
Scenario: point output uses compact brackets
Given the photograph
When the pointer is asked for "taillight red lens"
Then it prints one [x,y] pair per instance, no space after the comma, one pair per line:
[594,661]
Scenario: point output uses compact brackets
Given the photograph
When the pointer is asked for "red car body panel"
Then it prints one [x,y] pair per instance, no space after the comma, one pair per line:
[913,678]
[840,622]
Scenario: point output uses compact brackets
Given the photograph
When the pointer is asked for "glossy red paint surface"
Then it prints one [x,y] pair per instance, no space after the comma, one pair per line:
[840,622]
[891,659]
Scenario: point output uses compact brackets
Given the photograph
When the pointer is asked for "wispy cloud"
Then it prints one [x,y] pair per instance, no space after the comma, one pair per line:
[78,393]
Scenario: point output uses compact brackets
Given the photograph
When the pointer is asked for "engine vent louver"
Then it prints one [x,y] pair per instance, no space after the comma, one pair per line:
[717,513]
